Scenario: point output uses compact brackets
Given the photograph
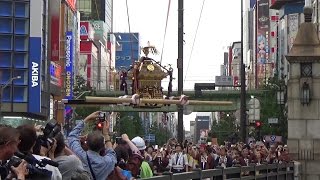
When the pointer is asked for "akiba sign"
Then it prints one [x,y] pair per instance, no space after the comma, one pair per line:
[34,82]
[35,74]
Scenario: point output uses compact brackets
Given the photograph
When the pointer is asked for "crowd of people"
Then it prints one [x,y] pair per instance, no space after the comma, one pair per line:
[29,152]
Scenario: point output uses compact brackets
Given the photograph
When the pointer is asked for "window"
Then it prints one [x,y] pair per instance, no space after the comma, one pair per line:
[306,69]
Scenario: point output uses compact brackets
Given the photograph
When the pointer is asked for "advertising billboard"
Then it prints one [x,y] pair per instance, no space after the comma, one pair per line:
[86,30]
[54,24]
[127,49]
[100,32]
[34,79]
[264,66]
[202,125]
[69,73]
[69,65]
[55,74]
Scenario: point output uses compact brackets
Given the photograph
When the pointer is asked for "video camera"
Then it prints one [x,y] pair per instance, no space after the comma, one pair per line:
[34,166]
[49,132]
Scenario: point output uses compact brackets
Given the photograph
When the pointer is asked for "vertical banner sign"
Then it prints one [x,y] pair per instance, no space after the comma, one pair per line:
[293,21]
[54,20]
[69,74]
[34,103]
[264,67]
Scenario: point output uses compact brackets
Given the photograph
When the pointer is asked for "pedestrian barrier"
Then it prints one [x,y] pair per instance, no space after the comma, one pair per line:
[257,172]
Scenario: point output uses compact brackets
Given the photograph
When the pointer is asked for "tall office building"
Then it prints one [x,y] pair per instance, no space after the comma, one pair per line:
[23,61]
[98,10]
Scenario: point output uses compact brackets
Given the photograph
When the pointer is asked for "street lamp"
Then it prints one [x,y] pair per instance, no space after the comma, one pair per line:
[1,94]
[305,94]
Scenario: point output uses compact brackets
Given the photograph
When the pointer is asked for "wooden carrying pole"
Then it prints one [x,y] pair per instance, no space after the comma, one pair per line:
[112,100]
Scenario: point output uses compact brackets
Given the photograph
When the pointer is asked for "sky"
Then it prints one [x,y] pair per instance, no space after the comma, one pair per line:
[219,26]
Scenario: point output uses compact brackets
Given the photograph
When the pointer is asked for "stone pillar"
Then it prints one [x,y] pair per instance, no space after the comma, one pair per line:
[304,119]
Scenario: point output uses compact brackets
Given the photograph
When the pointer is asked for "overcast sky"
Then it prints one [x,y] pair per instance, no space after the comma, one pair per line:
[219,27]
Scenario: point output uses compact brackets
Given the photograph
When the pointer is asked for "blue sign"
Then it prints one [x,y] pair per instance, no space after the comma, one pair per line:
[150,137]
[69,65]
[127,49]
[69,70]
[34,79]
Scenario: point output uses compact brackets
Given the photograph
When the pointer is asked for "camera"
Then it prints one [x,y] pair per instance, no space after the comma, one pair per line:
[50,131]
[34,171]
[102,116]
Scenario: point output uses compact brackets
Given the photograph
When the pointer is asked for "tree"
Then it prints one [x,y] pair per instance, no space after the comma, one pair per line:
[270,108]
[161,133]
[225,129]
[80,86]
[129,123]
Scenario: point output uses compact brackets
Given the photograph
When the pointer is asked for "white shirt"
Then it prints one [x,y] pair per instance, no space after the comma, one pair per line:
[178,161]
[56,175]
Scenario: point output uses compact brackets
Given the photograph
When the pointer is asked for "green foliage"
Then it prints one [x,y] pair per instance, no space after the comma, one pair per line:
[161,133]
[224,129]
[129,123]
[79,87]
[271,109]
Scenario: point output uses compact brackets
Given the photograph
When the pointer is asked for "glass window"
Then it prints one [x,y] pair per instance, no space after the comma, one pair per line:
[5,59]
[21,26]
[6,75]
[21,43]
[20,94]
[21,9]
[6,25]
[6,94]
[5,42]
[5,8]
[20,60]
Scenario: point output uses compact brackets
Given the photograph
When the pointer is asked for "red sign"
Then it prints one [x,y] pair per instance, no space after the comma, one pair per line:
[72,4]
[54,14]
[84,30]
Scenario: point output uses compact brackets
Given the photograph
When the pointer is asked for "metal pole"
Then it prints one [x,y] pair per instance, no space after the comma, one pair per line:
[243,117]
[180,68]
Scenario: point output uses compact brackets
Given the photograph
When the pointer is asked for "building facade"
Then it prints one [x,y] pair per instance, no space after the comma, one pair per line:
[202,127]
[98,10]
[23,61]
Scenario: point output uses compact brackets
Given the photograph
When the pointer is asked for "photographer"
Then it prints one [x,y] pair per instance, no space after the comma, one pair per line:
[28,138]
[9,140]
[99,166]
[68,162]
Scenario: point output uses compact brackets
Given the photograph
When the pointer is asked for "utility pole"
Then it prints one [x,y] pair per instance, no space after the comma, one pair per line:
[180,69]
[243,109]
